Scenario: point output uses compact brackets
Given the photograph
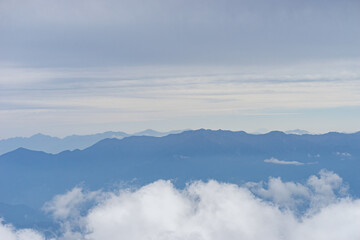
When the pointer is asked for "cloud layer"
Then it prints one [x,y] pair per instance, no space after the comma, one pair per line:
[73,51]
[318,209]
[91,100]
[108,32]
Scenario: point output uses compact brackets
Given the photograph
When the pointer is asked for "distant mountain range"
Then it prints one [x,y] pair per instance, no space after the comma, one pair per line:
[49,144]
[294,131]
[29,178]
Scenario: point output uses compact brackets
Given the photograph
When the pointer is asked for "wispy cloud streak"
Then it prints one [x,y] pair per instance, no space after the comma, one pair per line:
[277,161]
[162,93]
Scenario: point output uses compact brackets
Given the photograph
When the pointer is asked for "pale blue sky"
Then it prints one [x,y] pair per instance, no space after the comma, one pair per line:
[90,66]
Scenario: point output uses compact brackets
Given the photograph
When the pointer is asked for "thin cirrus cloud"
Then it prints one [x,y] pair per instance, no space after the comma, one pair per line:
[91,66]
[88,96]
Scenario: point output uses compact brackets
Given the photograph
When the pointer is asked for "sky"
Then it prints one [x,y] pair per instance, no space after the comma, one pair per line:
[80,67]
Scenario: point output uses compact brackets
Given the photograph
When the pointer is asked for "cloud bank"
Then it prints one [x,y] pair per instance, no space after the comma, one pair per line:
[318,209]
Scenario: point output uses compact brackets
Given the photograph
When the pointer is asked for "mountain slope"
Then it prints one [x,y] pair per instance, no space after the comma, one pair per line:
[32,177]
[41,142]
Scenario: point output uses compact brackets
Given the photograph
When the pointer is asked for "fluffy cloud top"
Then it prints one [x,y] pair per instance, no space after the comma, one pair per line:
[208,210]
[7,232]
[214,210]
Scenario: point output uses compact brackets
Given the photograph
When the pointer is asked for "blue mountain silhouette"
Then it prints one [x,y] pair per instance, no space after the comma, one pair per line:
[49,144]
[32,177]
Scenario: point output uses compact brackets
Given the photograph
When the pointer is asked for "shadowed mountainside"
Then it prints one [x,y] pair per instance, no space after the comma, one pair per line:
[49,144]
[33,177]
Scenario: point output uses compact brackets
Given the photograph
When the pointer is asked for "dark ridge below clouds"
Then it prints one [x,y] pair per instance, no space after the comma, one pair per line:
[191,155]
[51,144]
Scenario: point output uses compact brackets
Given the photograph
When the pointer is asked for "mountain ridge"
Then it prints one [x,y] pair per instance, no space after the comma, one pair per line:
[31,177]
[274,133]
[50,144]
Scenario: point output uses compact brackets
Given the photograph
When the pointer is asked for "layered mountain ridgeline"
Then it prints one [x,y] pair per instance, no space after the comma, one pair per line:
[49,144]
[33,177]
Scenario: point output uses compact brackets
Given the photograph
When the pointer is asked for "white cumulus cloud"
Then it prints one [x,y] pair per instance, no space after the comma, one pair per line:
[277,161]
[316,209]
[8,232]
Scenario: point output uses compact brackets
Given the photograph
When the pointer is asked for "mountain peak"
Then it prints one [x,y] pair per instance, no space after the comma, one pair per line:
[40,135]
[148,132]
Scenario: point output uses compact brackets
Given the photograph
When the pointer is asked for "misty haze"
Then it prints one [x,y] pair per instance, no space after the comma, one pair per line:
[179,120]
